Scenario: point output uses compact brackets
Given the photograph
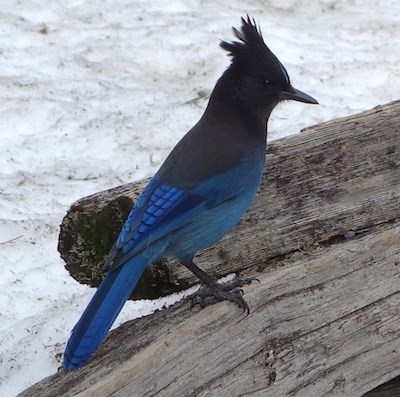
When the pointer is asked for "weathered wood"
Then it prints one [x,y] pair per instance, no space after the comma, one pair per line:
[332,178]
[323,323]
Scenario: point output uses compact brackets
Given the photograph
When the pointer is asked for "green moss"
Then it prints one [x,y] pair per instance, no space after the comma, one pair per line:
[86,238]
[89,237]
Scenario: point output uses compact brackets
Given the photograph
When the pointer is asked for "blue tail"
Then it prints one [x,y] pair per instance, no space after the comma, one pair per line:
[102,311]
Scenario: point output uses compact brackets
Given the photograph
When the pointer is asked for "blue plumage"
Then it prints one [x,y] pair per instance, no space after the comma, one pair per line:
[199,193]
[103,309]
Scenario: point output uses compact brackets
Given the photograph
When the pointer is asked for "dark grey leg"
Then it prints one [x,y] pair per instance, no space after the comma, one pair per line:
[218,292]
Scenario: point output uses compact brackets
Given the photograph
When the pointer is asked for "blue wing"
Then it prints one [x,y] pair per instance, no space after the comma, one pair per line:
[160,209]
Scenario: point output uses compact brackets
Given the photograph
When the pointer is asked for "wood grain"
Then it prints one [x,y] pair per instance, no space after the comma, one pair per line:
[324,324]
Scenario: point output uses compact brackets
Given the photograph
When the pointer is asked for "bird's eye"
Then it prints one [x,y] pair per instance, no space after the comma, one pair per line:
[267,83]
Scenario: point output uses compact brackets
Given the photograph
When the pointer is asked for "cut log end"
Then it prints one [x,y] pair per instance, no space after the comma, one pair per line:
[86,237]
[89,230]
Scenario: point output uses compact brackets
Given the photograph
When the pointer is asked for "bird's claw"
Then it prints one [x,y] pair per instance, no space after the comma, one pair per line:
[229,291]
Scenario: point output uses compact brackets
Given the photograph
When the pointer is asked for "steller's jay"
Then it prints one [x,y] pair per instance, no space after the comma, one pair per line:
[200,192]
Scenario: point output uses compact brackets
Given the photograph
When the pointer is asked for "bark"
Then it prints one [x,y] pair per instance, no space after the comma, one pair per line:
[323,323]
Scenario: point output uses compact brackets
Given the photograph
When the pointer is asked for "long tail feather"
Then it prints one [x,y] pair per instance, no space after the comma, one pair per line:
[102,311]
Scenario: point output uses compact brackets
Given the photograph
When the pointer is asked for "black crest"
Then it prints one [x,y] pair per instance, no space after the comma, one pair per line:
[252,54]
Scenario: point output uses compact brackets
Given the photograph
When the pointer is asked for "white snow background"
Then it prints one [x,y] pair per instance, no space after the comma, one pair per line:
[94,94]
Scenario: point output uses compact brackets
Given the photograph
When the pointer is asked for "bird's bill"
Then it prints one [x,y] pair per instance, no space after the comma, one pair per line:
[297,95]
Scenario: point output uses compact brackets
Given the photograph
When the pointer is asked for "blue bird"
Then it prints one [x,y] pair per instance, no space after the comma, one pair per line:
[200,192]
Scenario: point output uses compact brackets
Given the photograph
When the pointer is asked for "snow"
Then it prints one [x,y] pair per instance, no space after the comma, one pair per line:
[96,93]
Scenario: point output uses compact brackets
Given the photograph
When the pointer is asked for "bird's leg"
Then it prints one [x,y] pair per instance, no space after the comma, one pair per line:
[230,291]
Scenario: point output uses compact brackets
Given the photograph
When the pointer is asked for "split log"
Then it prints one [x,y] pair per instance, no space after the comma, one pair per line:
[389,389]
[333,178]
[324,233]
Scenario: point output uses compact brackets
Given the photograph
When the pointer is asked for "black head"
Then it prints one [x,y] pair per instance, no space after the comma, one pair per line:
[259,77]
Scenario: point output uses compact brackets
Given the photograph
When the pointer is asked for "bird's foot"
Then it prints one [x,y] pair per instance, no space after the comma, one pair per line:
[230,291]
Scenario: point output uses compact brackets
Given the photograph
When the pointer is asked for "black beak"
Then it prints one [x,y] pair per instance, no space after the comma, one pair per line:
[297,95]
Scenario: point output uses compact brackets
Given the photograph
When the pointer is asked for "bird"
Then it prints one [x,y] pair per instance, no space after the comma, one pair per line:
[201,190]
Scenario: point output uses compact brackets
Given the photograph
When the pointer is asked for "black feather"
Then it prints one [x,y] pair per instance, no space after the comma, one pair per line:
[251,55]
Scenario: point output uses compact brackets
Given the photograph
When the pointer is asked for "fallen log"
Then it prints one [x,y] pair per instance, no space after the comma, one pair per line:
[333,178]
[325,317]
[324,324]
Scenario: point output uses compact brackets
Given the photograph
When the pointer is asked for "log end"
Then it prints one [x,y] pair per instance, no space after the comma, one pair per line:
[86,238]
